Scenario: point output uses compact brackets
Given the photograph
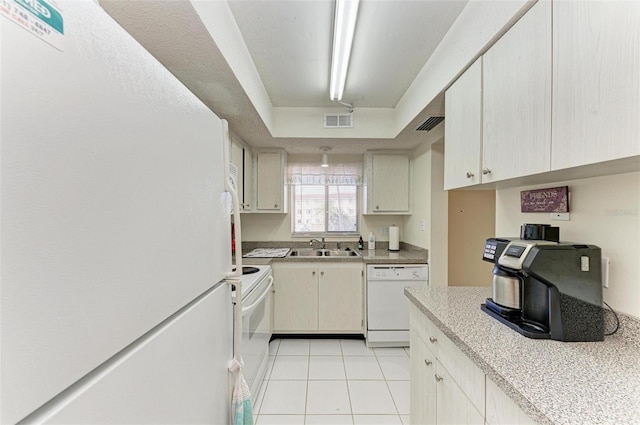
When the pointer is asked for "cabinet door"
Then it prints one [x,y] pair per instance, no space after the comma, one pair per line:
[237,160]
[247,180]
[270,181]
[517,99]
[423,385]
[340,298]
[453,407]
[502,410]
[596,81]
[295,298]
[463,129]
[390,183]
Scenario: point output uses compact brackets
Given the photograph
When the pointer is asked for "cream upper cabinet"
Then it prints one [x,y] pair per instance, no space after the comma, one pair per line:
[463,129]
[239,156]
[341,297]
[596,81]
[247,200]
[270,184]
[516,95]
[318,298]
[388,183]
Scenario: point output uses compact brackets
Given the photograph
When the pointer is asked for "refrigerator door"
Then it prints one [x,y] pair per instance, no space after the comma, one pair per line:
[112,201]
[177,374]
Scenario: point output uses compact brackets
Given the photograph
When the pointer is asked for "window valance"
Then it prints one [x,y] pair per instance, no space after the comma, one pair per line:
[334,175]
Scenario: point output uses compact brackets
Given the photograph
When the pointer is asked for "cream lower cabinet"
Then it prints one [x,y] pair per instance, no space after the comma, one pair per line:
[341,298]
[447,387]
[321,298]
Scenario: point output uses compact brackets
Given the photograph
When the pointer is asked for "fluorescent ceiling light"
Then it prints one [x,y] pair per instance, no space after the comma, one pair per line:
[343,28]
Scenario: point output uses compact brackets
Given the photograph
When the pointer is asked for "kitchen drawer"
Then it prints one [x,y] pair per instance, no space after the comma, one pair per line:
[424,328]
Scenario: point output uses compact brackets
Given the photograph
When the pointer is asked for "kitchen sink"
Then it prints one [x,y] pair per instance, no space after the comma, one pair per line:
[308,252]
[338,253]
[325,253]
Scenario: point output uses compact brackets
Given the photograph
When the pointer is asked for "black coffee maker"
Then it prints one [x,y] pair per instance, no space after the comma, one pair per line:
[554,289]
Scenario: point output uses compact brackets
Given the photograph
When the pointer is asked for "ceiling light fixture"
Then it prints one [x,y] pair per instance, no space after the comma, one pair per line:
[325,156]
[343,28]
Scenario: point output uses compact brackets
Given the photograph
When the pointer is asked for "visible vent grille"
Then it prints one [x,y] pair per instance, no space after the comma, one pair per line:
[430,123]
[338,120]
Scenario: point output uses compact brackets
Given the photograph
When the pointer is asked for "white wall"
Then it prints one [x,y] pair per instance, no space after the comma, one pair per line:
[605,211]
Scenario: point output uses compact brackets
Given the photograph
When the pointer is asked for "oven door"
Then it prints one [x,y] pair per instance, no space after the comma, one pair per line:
[256,333]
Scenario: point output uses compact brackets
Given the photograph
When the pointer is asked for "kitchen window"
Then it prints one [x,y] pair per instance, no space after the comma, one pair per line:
[324,199]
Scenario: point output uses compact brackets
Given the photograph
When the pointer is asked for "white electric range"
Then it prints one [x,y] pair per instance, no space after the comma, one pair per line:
[257,283]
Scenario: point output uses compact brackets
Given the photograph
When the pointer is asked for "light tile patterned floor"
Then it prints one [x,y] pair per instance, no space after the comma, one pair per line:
[333,382]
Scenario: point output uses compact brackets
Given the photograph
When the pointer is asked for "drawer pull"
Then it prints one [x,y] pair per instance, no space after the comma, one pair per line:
[433,339]
[486,171]
[438,378]
[469,174]
[427,362]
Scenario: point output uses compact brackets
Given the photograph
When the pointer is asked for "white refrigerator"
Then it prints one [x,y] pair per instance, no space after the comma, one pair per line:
[115,229]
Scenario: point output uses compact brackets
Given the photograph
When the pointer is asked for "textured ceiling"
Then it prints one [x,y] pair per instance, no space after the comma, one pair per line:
[290,45]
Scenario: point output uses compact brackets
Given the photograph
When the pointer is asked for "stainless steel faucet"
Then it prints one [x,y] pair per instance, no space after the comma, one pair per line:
[320,242]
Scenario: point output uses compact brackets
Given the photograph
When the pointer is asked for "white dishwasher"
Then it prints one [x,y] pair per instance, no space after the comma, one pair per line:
[387,306]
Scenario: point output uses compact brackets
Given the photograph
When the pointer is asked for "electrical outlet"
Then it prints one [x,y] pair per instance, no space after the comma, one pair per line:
[560,216]
[606,263]
[384,231]
[422,225]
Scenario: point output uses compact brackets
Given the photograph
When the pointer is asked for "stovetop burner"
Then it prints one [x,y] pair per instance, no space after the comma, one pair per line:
[249,270]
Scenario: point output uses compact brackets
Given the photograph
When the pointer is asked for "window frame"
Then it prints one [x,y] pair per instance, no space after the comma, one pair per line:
[326,232]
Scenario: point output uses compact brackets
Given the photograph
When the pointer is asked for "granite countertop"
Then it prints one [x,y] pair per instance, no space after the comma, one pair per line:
[553,382]
[408,254]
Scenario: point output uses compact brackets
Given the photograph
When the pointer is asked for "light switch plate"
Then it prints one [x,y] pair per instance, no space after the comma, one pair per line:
[560,216]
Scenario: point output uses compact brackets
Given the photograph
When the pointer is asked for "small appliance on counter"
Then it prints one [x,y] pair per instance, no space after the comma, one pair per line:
[543,232]
[546,290]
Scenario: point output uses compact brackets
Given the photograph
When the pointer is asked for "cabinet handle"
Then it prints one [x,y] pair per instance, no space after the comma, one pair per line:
[486,171]
[438,378]
[433,339]
[313,273]
[427,362]
[469,174]
[321,273]
[275,205]
[377,207]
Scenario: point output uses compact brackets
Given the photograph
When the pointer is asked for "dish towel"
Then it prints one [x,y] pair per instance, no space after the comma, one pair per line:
[242,409]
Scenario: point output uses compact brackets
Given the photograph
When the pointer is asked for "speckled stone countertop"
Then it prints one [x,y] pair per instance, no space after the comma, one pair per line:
[553,382]
[408,254]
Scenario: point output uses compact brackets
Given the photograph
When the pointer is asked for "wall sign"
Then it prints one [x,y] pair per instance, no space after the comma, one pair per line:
[43,18]
[555,199]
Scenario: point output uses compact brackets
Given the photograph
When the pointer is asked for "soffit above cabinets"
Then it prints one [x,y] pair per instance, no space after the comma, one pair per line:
[264,65]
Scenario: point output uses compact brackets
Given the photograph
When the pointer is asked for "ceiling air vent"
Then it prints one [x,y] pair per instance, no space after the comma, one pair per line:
[430,124]
[338,120]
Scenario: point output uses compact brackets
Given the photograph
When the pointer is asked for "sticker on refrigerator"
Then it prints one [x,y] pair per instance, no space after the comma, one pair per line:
[42,18]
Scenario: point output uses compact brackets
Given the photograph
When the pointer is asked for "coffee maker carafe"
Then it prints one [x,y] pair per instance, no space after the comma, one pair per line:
[546,290]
